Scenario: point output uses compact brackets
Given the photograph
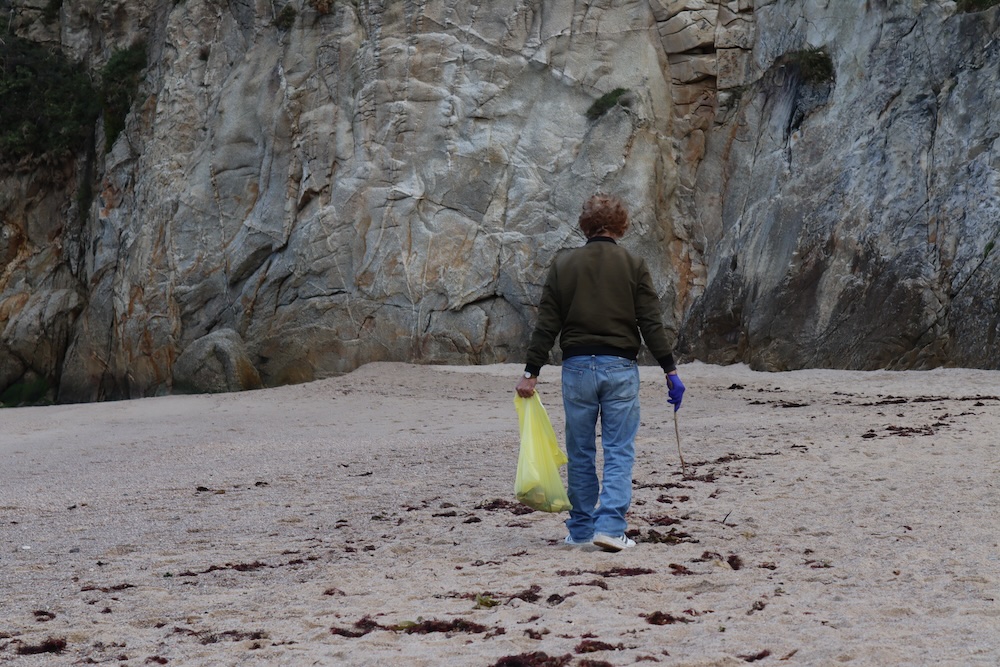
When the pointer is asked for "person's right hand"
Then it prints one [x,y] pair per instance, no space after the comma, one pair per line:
[675,391]
[526,387]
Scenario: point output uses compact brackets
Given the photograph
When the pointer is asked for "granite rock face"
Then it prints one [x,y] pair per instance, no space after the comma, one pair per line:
[851,220]
[299,192]
[372,181]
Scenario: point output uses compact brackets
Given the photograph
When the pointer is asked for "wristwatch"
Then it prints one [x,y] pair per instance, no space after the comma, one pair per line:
[527,375]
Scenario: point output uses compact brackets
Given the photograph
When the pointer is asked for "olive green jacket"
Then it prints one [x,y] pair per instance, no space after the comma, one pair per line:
[598,299]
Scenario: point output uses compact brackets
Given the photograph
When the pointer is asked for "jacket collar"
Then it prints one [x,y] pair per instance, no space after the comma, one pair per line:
[602,239]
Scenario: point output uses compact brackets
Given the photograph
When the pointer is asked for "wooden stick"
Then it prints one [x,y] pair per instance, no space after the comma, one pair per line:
[677,432]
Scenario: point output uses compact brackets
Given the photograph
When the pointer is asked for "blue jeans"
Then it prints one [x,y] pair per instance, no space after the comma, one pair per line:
[607,387]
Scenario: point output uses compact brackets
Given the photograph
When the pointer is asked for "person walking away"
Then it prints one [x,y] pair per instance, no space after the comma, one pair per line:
[598,299]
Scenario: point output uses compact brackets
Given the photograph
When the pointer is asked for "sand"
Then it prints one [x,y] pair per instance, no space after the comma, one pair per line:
[828,518]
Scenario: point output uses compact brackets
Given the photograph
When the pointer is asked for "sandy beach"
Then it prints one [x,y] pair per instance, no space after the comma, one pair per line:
[827,518]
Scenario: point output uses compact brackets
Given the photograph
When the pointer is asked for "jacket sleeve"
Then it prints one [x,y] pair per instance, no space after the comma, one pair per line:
[649,317]
[548,325]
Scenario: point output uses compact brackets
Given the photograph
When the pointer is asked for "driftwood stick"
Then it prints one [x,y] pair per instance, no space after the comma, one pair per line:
[677,432]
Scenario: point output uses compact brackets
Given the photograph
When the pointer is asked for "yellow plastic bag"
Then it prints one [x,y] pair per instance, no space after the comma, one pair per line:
[538,484]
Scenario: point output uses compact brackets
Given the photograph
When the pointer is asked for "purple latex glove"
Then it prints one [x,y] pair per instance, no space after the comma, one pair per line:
[675,390]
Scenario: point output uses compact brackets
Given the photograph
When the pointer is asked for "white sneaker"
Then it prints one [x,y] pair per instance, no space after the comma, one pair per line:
[569,540]
[612,543]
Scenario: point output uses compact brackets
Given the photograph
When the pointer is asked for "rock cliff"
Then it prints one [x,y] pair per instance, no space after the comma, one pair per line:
[851,214]
[303,187]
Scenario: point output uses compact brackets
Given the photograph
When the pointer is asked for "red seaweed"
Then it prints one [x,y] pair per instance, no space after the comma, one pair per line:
[535,659]
[49,645]
[592,645]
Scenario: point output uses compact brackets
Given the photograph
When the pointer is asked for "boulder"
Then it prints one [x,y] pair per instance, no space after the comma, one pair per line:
[216,362]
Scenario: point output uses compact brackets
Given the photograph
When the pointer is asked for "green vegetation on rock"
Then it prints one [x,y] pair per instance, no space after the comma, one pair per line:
[51,10]
[968,6]
[285,18]
[27,392]
[605,102]
[815,65]
[48,105]
[120,80]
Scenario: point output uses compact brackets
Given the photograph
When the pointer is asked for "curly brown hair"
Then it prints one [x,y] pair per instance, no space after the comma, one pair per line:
[604,215]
